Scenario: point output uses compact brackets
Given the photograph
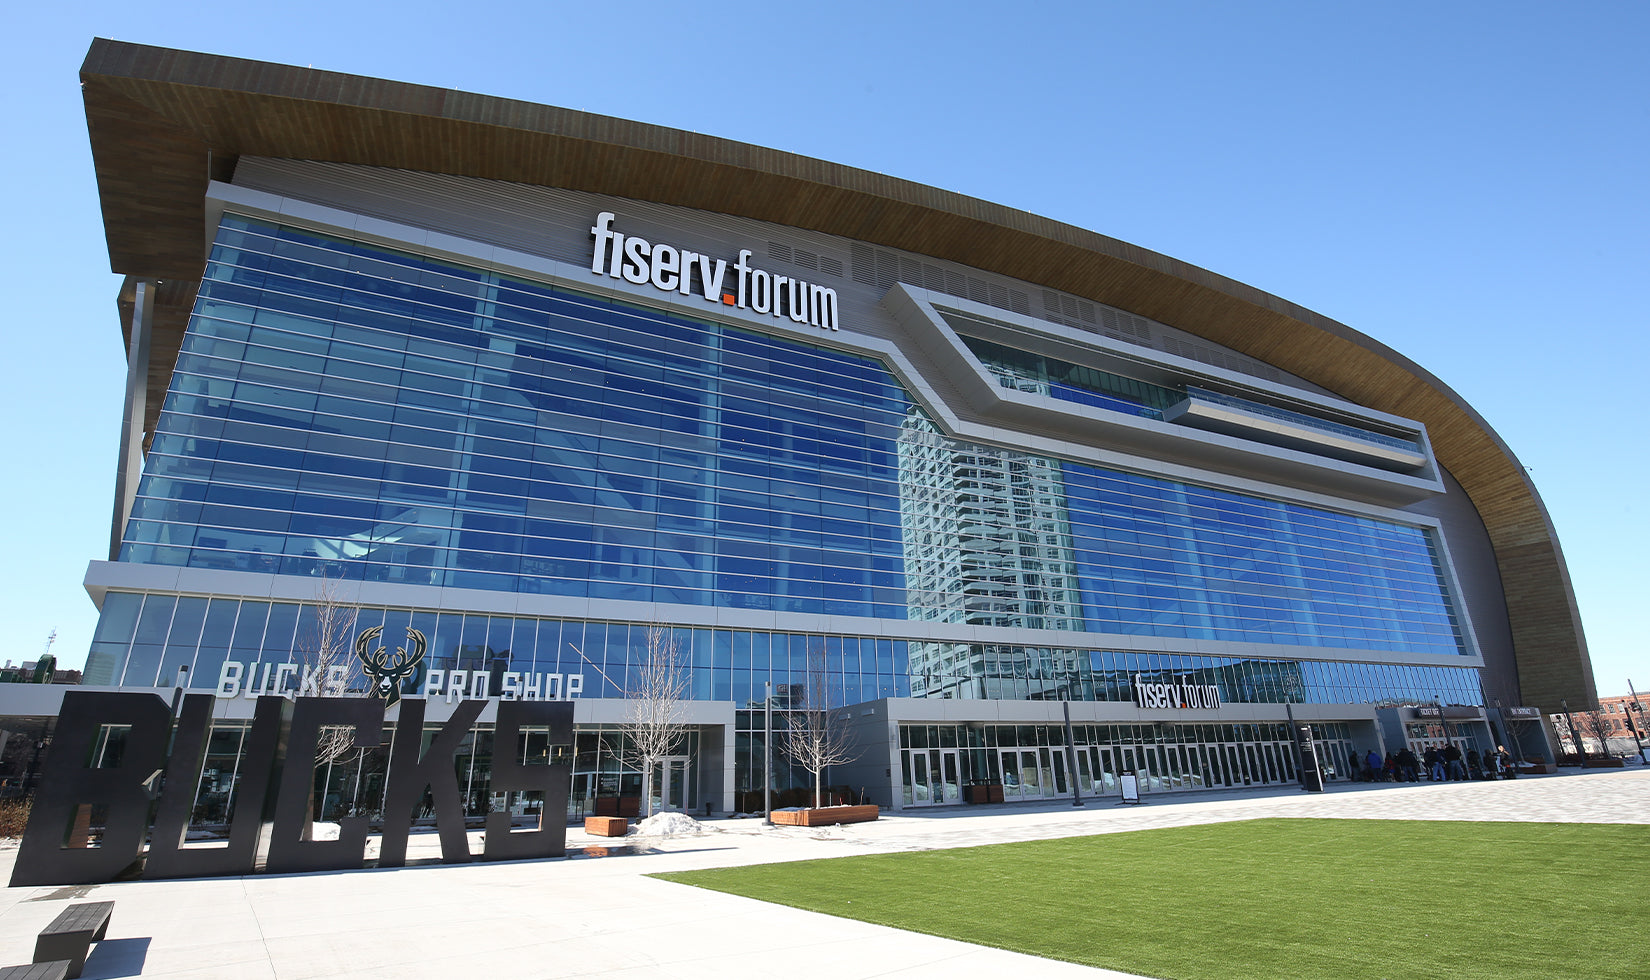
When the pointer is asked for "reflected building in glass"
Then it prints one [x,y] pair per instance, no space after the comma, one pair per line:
[958,471]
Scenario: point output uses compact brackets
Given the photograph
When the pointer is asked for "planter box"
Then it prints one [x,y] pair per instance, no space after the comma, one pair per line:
[1536,768]
[988,793]
[606,826]
[1604,764]
[824,816]
[618,806]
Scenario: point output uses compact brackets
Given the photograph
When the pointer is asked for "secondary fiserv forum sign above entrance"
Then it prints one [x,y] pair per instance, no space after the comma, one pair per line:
[673,269]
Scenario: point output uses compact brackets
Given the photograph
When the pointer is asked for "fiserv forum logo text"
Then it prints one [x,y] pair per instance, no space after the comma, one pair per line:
[672,269]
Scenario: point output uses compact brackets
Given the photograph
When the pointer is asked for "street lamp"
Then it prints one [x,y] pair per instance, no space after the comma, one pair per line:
[1632,729]
[1581,753]
[1449,771]
[1635,706]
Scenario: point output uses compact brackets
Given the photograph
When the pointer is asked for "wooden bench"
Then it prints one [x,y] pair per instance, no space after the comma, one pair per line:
[606,826]
[71,934]
[53,970]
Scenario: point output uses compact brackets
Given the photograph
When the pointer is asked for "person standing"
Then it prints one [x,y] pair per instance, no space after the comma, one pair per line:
[1452,761]
[1409,767]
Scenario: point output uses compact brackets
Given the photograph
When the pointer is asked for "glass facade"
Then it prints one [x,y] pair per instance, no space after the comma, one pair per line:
[726,665]
[143,640]
[345,411]
[359,413]
[1035,373]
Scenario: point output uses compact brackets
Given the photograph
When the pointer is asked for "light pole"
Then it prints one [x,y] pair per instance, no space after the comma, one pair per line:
[1507,726]
[177,692]
[1449,768]
[1633,727]
[1581,753]
[767,754]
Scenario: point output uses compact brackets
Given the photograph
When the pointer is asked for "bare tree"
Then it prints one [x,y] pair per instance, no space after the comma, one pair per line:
[324,669]
[654,691]
[1598,725]
[815,736]
[326,664]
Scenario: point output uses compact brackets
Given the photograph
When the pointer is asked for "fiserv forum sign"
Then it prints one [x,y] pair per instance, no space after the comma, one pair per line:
[277,774]
[678,270]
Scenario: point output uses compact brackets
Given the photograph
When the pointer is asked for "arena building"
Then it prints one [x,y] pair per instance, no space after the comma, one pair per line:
[534,391]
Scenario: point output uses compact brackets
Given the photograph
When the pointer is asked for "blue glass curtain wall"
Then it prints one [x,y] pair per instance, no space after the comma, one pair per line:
[347,411]
[143,640]
[1170,559]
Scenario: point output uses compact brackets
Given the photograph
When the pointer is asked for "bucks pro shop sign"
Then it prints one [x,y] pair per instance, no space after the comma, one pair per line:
[277,773]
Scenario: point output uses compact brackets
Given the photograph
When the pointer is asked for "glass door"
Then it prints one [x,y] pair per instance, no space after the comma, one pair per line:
[922,785]
[670,783]
[950,785]
[1022,777]
[1058,757]
[1106,775]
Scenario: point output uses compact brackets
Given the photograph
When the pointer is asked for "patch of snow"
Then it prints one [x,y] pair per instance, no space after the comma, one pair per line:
[664,824]
[323,831]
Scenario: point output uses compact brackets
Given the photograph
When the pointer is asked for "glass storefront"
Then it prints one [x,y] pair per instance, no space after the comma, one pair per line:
[942,764]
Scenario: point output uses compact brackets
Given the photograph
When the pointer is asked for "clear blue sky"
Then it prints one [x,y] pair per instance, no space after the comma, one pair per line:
[1465,182]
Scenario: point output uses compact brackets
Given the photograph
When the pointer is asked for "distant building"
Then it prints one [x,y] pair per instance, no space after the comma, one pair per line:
[42,671]
[1624,718]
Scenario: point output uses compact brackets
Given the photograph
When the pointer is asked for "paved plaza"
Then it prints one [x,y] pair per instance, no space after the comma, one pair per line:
[601,917]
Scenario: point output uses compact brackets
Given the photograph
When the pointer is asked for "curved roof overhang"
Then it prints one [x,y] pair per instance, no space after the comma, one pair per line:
[164,122]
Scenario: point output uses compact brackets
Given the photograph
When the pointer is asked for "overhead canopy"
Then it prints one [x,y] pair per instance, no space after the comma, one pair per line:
[164,122]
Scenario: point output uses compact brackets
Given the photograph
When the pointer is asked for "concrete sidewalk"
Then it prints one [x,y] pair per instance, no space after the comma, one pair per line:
[601,917]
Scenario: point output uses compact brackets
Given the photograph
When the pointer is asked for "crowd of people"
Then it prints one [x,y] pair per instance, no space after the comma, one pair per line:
[1438,764]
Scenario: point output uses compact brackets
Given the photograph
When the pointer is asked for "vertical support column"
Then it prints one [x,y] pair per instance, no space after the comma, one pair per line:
[129,467]
[896,763]
[730,764]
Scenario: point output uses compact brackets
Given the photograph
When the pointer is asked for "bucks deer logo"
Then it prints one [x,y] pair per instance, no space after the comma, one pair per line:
[389,673]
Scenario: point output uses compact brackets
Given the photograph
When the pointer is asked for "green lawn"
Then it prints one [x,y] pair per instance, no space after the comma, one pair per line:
[1268,899]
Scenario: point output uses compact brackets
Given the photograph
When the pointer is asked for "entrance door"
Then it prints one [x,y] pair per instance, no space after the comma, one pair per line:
[950,786]
[931,776]
[1105,776]
[1022,777]
[918,782]
[670,783]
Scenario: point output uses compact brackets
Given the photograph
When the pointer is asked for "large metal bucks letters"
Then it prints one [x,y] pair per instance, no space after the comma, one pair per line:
[110,752]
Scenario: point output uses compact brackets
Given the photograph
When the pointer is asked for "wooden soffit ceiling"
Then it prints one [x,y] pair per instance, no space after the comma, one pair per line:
[164,122]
